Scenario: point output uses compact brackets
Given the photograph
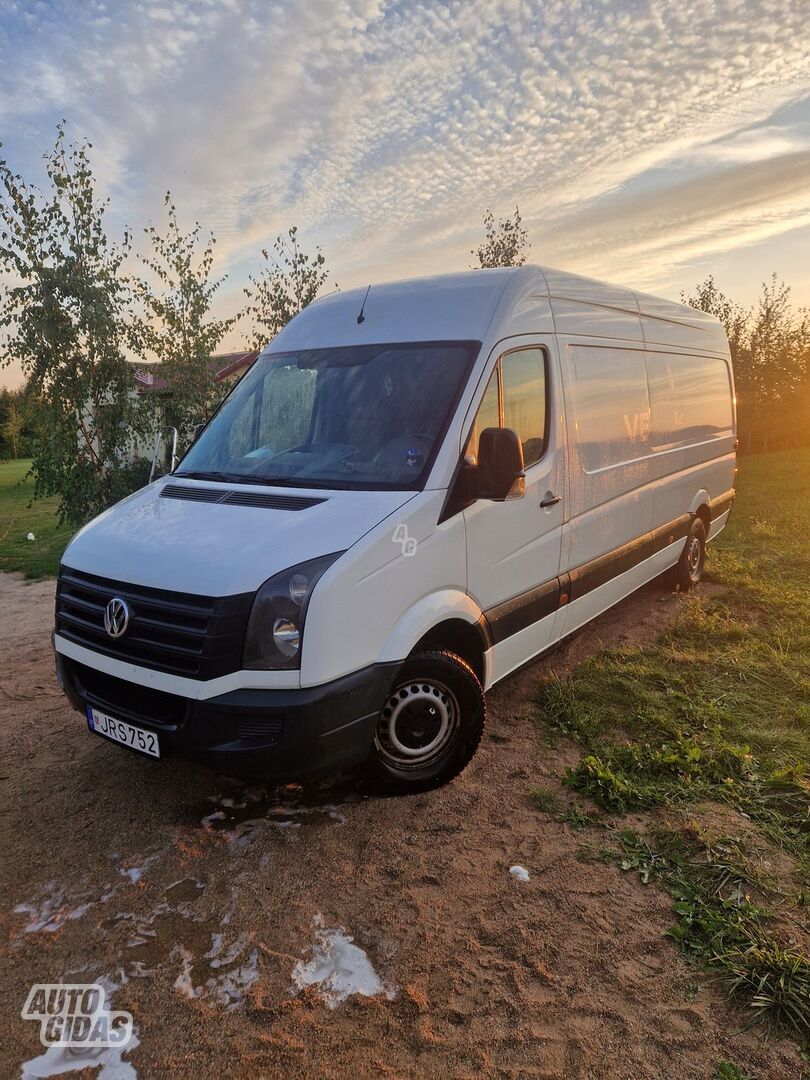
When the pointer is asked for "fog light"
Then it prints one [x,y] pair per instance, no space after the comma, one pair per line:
[286,636]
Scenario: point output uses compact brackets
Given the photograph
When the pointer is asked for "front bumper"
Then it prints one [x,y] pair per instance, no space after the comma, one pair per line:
[277,735]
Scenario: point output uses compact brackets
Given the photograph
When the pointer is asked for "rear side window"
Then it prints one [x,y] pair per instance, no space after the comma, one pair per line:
[611,405]
[515,398]
[690,397]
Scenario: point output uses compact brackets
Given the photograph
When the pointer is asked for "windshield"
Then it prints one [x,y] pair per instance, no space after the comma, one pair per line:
[365,416]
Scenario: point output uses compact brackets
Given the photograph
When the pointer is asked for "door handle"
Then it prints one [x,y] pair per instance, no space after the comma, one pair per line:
[550,500]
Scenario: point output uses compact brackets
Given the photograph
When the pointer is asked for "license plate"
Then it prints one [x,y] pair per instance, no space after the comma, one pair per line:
[121,731]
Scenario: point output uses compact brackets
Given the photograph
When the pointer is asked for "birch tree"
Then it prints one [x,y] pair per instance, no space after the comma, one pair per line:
[64,319]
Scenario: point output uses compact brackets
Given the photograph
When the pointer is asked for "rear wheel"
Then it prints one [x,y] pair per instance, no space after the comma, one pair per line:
[689,569]
[430,725]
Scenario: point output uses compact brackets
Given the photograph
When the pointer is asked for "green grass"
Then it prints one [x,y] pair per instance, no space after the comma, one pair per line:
[36,558]
[718,708]
[727,1070]
[718,922]
[543,799]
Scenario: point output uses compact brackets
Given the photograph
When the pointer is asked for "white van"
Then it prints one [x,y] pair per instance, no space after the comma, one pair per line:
[416,489]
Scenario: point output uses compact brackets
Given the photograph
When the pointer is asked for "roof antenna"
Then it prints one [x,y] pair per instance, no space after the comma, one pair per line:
[361,317]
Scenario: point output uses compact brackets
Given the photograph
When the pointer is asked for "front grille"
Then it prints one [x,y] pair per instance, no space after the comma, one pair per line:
[239,498]
[199,637]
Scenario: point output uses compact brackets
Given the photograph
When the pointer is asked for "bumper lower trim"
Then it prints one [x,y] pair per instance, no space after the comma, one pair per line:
[275,735]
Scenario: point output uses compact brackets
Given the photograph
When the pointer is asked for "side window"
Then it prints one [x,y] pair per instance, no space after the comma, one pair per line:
[612,405]
[690,397]
[488,415]
[523,378]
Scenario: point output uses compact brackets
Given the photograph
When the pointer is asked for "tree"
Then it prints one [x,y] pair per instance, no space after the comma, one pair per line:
[17,422]
[64,319]
[12,429]
[289,282]
[735,319]
[506,243]
[770,351]
[175,325]
[777,370]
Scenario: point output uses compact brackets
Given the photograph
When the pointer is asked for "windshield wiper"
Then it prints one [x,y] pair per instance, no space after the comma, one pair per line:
[299,482]
[228,478]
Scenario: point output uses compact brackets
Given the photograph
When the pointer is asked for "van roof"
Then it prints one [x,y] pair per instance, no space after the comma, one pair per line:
[486,305]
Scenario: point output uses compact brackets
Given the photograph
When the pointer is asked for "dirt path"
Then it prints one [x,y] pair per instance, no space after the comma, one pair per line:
[201,902]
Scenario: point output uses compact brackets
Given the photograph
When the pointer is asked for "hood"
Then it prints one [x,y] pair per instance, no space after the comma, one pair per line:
[215,548]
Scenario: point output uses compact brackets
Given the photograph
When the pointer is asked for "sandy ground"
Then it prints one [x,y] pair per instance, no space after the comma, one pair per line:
[206,905]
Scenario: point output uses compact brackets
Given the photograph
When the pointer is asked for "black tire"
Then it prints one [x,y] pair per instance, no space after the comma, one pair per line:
[688,570]
[430,726]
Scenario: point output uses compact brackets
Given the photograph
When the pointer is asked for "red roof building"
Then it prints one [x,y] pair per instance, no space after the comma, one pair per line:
[224,366]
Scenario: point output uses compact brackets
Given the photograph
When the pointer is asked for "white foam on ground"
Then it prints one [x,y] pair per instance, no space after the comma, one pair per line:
[58,1060]
[52,911]
[228,989]
[520,872]
[63,1059]
[277,817]
[330,809]
[222,957]
[135,871]
[338,968]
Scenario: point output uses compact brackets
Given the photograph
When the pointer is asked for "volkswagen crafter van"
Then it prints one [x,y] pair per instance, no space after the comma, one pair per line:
[416,489]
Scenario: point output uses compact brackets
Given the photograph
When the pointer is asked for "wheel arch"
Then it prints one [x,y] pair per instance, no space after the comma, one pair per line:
[700,507]
[468,640]
[446,620]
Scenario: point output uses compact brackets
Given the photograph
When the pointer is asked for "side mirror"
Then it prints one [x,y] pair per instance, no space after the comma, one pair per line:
[500,465]
[197,431]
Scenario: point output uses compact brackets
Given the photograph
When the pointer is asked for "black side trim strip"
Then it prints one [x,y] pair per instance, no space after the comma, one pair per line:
[522,611]
[599,571]
[722,503]
[667,534]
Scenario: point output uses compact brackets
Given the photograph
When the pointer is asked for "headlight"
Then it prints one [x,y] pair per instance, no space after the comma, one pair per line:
[276,624]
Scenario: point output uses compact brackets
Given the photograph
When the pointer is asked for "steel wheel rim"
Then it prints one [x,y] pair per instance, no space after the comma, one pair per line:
[694,558]
[417,724]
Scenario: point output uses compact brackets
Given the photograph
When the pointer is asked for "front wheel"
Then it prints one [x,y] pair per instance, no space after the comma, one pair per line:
[430,725]
[689,569]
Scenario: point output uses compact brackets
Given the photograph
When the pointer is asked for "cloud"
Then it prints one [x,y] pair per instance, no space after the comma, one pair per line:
[753,144]
[383,128]
[639,236]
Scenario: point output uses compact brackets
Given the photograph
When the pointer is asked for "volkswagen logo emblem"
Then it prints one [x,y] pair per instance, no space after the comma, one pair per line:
[116,617]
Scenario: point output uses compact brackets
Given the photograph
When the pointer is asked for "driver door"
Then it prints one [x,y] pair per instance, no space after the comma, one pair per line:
[513,547]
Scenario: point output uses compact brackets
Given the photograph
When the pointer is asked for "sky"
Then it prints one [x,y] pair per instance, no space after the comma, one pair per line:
[646,143]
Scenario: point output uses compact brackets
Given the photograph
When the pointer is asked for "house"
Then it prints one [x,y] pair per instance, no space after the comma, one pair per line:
[224,367]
